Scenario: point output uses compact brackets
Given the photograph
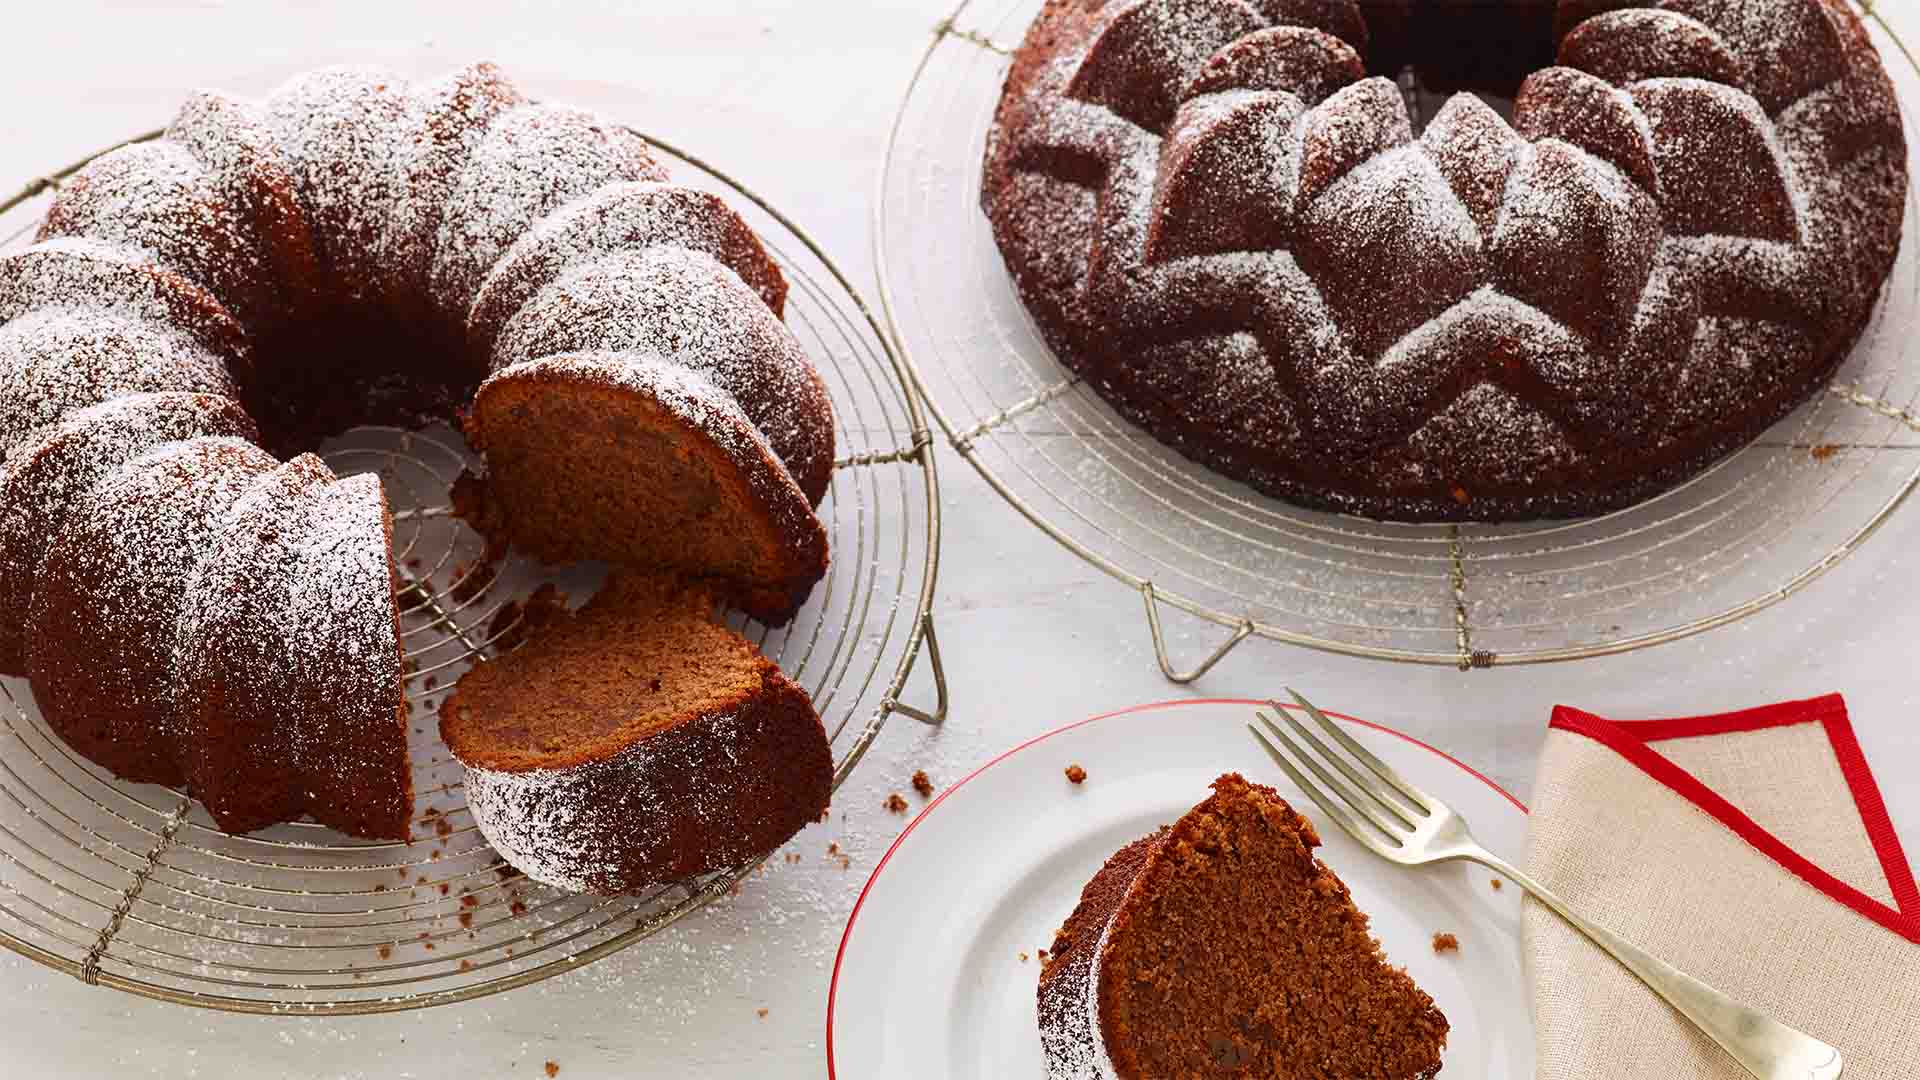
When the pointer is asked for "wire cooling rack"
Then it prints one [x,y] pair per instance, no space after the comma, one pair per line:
[131,887]
[1755,529]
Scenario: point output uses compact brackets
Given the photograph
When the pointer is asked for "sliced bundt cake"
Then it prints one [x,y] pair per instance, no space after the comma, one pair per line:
[272,273]
[1219,946]
[635,742]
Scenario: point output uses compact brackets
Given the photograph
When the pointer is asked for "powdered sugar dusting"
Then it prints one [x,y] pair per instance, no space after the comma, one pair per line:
[446,120]
[683,306]
[117,576]
[532,160]
[54,360]
[337,128]
[620,217]
[46,479]
[550,823]
[78,272]
[287,623]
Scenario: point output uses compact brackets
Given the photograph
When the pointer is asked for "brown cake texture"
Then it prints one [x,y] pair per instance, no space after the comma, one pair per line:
[636,742]
[1220,946]
[1223,215]
[195,598]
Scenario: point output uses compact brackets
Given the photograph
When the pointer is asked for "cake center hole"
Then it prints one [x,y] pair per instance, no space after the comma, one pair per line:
[1437,48]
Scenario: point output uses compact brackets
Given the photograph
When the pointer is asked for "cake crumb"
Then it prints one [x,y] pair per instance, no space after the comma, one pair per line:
[553,1068]
[1825,451]
[846,861]
[1461,496]
[921,785]
[470,579]
[833,848]
[1076,775]
[466,965]
[895,804]
[384,952]
[1445,943]
[517,620]
[1041,955]
[1023,956]
[1498,884]
[761,1013]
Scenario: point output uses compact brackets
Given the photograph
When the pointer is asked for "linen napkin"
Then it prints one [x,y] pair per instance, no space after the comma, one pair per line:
[1751,850]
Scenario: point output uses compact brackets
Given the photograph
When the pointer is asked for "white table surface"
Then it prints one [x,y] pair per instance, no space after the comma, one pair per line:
[795,99]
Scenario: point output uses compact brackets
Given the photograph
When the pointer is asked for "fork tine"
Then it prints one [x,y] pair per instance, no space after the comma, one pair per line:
[1340,815]
[1354,816]
[1339,761]
[1421,800]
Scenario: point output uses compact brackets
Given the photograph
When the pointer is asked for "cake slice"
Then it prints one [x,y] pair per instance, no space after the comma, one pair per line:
[1219,946]
[632,458]
[634,743]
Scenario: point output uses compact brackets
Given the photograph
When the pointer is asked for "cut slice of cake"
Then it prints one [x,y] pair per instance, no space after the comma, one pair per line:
[636,742]
[1219,946]
[635,459]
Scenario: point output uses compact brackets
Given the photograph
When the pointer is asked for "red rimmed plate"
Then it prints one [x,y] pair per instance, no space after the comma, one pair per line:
[936,973]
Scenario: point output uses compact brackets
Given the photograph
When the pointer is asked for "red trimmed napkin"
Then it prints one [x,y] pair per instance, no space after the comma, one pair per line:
[1750,849]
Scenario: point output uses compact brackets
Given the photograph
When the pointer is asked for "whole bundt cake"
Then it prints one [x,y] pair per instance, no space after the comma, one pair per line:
[198,600]
[1239,238]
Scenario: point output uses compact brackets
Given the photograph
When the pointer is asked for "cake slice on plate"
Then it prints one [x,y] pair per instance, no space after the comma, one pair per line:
[1219,946]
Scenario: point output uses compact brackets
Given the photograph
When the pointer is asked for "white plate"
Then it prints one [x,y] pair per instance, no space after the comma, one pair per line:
[930,984]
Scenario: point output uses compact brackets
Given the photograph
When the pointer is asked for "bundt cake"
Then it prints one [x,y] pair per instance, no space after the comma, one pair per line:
[1220,946]
[634,742]
[1247,245]
[195,598]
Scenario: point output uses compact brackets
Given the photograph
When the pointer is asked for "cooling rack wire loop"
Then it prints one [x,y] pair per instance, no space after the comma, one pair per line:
[131,887]
[1755,529]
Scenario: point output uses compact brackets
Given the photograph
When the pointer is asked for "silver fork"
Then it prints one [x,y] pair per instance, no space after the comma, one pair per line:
[1403,824]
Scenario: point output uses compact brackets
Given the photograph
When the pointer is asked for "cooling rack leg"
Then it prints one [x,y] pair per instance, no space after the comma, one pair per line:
[1240,634]
[939,713]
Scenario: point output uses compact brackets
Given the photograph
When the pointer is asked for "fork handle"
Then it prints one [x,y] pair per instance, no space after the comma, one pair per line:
[1767,1048]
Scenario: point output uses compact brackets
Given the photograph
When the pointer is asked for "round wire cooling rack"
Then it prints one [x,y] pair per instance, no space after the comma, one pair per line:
[131,887]
[1751,531]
